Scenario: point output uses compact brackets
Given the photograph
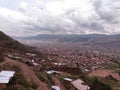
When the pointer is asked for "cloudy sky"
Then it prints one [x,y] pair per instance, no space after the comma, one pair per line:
[31,17]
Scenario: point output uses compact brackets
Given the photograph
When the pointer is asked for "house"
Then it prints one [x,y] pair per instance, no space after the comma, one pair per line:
[34,63]
[80,85]
[5,77]
[30,55]
[68,79]
[3,81]
[14,57]
[52,72]
[55,87]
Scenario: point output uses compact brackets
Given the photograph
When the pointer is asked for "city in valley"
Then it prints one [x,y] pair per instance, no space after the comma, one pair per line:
[59,44]
[85,57]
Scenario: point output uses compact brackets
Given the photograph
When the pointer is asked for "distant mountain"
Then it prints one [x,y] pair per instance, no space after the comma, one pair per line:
[98,38]
[63,38]
[96,41]
[7,44]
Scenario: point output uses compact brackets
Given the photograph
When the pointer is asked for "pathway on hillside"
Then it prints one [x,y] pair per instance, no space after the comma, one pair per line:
[28,73]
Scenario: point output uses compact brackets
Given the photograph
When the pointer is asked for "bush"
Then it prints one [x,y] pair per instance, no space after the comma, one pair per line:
[34,86]
[50,79]
[1,58]
[41,77]
[99,85]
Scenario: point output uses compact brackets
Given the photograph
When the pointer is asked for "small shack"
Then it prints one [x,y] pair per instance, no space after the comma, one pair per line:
[5,77]
[55,87]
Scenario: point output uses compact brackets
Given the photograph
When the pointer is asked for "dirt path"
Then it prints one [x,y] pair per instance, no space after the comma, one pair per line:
[29,74]
[104,73]
[58,83]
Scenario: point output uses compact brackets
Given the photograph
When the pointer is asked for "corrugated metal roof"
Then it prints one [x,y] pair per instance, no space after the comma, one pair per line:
[52,71]
[7,73]
[4,80]
[68,79]
[5,76]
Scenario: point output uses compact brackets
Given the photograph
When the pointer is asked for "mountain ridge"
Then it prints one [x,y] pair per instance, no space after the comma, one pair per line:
[70,37]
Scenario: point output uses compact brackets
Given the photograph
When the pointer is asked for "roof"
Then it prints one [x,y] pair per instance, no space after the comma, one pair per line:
[4,80]
[52,71]
[7,73]
[56,87]
[68,79]
[5,76]
[79,85]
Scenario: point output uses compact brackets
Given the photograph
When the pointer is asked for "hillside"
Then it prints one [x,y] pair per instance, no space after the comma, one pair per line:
[25,78]
[31,72]
[11,45]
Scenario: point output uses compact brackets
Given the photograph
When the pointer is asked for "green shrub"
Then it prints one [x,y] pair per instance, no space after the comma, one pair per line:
[34,86]
[50,79]
[99,85]
[1,58]
[41,77]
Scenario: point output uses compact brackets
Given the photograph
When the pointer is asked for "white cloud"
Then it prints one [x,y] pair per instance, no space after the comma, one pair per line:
[23,5]
[32,17]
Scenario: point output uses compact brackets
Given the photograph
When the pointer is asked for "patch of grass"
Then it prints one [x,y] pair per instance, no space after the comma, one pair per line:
[113,66]
[50,79]
[41,77]
[1,57]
